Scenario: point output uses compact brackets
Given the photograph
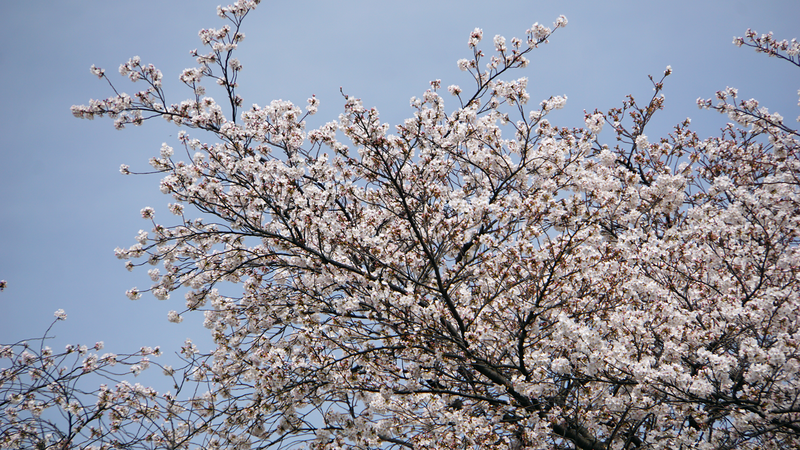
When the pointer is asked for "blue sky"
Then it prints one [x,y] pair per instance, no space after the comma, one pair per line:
[65,206]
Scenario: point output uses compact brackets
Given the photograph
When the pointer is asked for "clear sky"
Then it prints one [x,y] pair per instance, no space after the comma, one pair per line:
[65,206]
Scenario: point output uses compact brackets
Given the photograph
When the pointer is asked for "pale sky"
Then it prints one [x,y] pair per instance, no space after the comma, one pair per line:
[65,207]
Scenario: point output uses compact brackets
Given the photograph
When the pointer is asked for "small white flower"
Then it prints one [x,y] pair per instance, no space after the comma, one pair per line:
[641,142]
[595,123]
[60,315]
[147,213]
[500,43]
[136,369]
[161,293]
[313,105]
[97,71]
[560,366]
[556,102]
[166,150]
[133,294]
[174,317]
[176,208]
[607,158]
[475,37]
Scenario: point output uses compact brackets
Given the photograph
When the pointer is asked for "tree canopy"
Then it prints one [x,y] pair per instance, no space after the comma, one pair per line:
[475,277]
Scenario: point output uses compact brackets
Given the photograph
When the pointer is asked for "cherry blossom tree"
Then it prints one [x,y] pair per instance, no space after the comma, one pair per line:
[475,277]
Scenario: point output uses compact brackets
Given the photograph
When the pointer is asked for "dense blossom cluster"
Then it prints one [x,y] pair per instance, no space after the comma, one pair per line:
[475,277]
